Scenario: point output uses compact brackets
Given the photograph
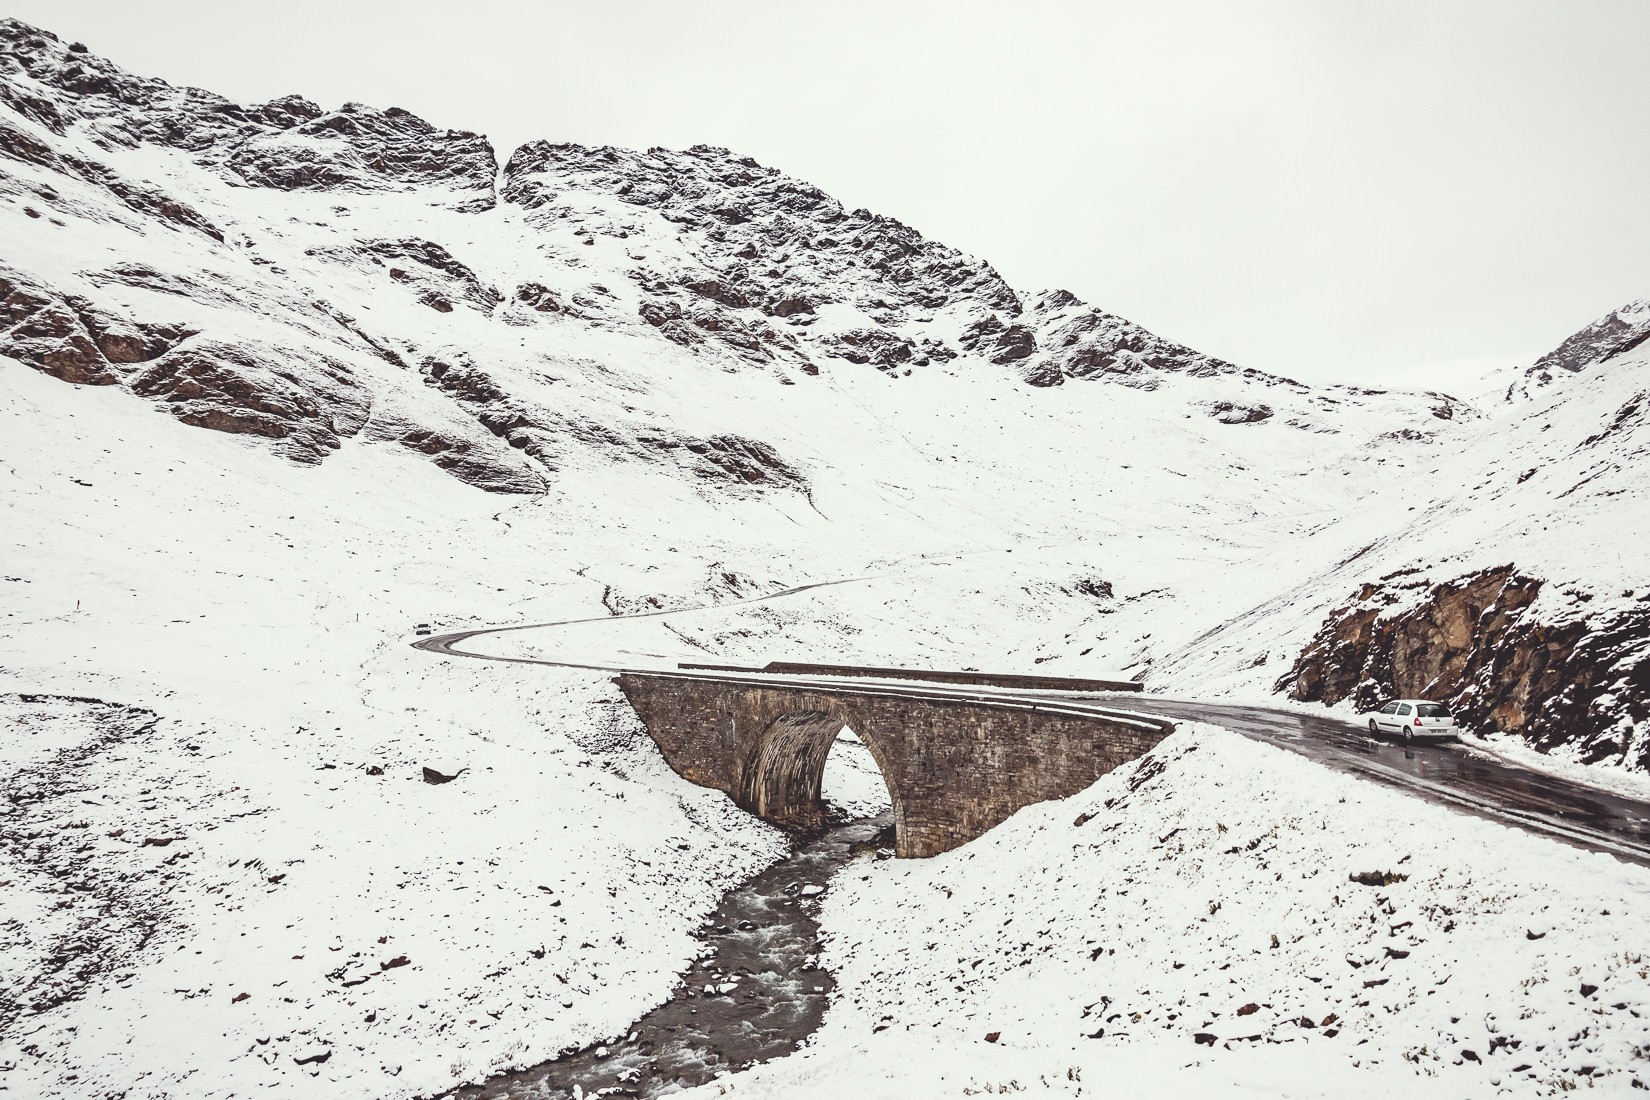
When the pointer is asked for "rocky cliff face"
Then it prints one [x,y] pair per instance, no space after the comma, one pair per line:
[288,143]
[1474,643]
[1616,333]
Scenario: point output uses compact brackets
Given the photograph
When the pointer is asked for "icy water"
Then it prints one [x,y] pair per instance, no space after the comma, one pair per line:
[754,995]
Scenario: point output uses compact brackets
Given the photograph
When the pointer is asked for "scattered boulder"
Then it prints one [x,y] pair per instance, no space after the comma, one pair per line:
[1229,413]
[1377,878]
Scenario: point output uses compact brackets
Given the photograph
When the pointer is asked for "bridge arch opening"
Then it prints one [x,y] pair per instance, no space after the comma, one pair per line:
[853,786]
[784,778]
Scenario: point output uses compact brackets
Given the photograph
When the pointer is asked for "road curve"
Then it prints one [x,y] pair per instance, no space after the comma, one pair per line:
[1448,774]
[1451,775]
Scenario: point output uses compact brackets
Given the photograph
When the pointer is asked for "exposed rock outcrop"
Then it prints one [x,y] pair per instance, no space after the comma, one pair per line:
[69,338]
[495,469]
[723,462]
[436,276]
[1477,644]
[1616,333]
[1229,413]
[774,238]
[1083,342]
[302,398]
[288,143]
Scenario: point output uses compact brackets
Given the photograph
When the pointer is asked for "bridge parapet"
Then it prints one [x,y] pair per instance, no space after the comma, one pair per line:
[955,766]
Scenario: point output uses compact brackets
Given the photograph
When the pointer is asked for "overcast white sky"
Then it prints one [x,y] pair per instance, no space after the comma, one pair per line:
[1376,192]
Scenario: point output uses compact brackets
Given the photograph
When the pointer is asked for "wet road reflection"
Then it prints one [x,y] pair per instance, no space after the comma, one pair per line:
[1448,773]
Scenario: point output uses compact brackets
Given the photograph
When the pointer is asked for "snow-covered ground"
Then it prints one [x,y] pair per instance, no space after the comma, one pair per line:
[214,893]
[1193,926]
[264,822]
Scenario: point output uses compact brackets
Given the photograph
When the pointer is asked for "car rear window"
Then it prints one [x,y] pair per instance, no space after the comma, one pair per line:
[1432,710]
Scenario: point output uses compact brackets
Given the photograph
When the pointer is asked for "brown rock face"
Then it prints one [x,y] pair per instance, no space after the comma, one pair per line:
[304,399]
[68,338]
[1474,644]
[53,341]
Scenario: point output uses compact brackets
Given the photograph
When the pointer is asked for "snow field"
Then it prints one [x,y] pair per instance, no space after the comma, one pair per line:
[1096,938]
[271,834]
[416,935]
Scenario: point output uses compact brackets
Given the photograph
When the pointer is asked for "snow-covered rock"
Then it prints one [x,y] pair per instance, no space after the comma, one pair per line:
[1616,333]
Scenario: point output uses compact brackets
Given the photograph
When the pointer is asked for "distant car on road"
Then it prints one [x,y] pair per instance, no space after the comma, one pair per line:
[1413,720]
[422,628]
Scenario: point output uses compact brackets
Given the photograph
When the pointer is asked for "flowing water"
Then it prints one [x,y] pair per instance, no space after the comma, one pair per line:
[754,994]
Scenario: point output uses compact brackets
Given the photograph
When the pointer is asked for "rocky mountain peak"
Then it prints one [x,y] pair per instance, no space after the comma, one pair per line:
[498,346]
[1617,332]
[289,143]
[767,225]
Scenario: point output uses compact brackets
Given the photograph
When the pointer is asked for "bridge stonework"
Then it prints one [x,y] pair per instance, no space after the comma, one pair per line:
[954,767]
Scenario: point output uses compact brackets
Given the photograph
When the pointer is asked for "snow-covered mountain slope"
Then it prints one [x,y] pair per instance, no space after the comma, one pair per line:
[643,340]
[279,383]
[1509,577]
[309,277]
[1226,919]
[1616,333]
[744,377]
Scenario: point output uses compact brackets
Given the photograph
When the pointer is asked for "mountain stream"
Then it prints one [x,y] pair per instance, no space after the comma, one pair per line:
[754,994]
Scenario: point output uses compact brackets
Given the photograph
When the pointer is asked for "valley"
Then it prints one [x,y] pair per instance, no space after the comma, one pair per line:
[285,389]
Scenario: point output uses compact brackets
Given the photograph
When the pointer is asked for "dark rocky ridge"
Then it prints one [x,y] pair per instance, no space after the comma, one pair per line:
[1616,333]
[764,272]
[269,145]
[768,252]
[1475,643]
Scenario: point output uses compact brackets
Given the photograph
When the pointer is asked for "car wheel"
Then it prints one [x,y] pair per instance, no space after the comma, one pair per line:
[1409,736]
[1374,730]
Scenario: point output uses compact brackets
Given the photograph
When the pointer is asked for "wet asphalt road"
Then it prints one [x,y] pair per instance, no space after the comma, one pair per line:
[1447,773]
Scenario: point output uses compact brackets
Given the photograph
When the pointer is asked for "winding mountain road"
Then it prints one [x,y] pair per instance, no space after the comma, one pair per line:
[1453,775]
[1450,774]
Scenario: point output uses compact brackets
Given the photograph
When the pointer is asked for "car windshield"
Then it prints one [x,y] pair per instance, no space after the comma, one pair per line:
[1432,710]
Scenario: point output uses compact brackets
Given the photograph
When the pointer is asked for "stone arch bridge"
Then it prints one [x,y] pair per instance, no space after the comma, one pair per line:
[956,764]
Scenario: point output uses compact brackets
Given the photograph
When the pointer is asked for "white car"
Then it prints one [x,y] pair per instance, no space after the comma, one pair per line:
[1413,720]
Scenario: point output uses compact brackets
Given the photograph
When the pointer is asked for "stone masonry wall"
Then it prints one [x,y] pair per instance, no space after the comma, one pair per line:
[954,768]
